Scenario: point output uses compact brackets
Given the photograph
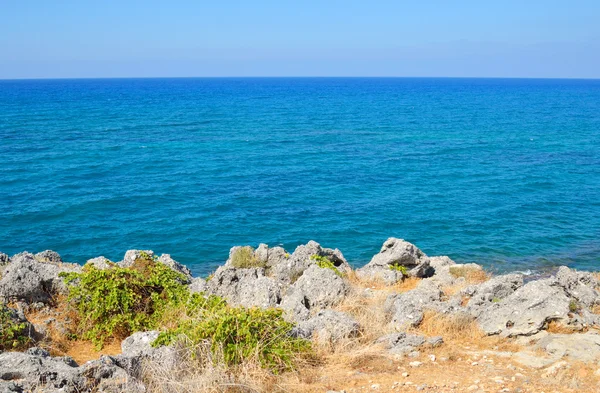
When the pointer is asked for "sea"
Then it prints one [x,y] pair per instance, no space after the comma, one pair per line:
[501,172]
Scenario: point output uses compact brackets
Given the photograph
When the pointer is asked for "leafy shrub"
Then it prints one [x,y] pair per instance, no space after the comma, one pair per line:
[13,333]
[118,301]
[244,258]
[239,333]
[399,268]
[325,263]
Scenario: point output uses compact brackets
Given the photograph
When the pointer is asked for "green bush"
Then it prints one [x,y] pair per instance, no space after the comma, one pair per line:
[238,333]
[325,263]
[118,301]
[13,334]
[399,268]
[244,258]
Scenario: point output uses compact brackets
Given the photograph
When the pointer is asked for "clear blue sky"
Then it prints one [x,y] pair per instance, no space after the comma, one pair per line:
[527,38]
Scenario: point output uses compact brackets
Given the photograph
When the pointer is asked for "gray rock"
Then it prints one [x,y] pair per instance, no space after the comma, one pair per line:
[137,349]
[295,306]
[101,263]
[405,343]
[579,285]
[407,309]
[398,252]
[584,347]
[197,285]
[289,269]
[36,370]
[527,310]
[328,325]
[4,259]
[176,266]
[26,279]
[244,287]
[321,287]
[380,273]
[105,375]
[48,256]
[492,291]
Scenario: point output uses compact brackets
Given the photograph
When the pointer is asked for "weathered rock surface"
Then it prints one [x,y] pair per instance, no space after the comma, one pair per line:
[328,325]
[579,285]
[27,279]
[584,347]
[244,287]
[527,310]
[132,255]
[396,252]
[176,266]
[197,285]
[99,262]
[404,343]
[48,256]
[137,349]
[287,270]
[407,308]
[492,291]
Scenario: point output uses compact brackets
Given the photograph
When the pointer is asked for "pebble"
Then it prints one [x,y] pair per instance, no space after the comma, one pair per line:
[405,374]
[415,364]
[432,358]
[375,386]
[472,388]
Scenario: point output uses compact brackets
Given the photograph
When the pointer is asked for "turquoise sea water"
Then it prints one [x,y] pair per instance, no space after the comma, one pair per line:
[504,172]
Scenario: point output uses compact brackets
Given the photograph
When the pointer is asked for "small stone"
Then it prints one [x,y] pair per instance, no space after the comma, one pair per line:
[375,386]
[405,374]
[472,388]
[432,358]
[415,364]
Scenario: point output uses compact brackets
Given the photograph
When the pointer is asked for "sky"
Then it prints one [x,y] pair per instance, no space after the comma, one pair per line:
[185,38]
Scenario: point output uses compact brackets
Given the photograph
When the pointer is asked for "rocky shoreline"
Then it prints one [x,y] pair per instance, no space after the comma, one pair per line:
[556,316]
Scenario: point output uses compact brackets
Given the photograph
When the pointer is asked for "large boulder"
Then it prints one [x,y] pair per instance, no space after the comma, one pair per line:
[288,269]
[316,289]
[27,279]
[244,287]
[328,325]
[395,254]
[527,310]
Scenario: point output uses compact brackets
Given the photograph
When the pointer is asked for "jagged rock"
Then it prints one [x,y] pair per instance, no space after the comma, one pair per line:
[321,287]
[407,308]
[26,279]
[579,285]
[316,289]
[404,343]
[48,256]
[197,285]
[287,270]
[101,263]
[105,375]
[4,259]
[527,310]
[138,348]
[396,252]
[36,370]
[328,325]
[244,287]
[176,266]
[295,306]
[491,291]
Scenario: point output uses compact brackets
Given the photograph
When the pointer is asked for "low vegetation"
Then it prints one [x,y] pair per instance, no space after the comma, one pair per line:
[13,333]
[399,268]
[244,258]
[115,302]
[325,263]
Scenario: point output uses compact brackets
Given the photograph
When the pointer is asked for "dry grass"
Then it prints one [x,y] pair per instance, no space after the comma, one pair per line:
[473,275]
[407,284]
[559,328]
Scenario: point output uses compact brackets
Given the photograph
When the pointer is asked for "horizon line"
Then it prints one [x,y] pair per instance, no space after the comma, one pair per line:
[297,77]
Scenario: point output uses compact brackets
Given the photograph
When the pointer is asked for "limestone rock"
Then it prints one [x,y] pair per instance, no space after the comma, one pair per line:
[176,266]
[579,285]
[396,252]
[244,287]
[132,255]
[287,270]
[197,285]
[328,325]
[584,347]
[26,279]
[48,256]
[407,308]
[404,343]
[101,263]
[4,259]
[527,310]
[492,291]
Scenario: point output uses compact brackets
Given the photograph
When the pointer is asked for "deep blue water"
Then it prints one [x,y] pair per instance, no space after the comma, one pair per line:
[504,172]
